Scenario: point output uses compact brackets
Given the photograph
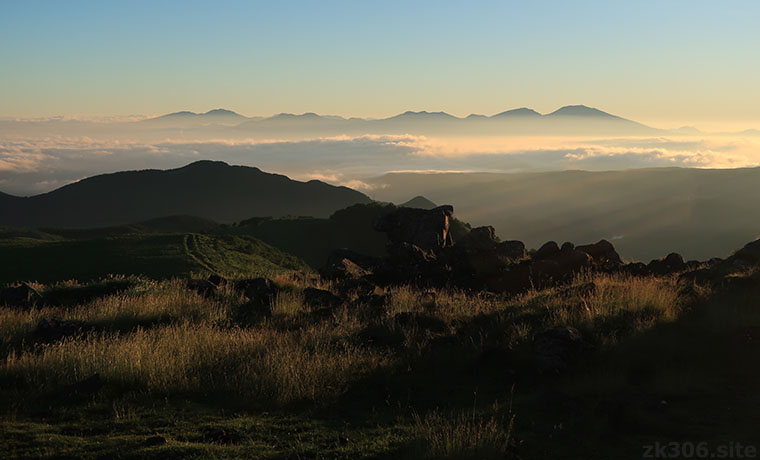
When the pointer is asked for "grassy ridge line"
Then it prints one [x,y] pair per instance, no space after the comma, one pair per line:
[190,242]
[153,255]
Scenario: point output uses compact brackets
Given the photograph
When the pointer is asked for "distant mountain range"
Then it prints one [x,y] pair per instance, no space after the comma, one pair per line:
[568,120]
[207,189]
[192,119]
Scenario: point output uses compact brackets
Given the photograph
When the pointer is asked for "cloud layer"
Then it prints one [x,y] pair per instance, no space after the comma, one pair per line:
[34,165]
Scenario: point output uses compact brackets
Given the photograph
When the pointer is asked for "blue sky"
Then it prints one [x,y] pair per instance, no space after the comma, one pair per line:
[654,61]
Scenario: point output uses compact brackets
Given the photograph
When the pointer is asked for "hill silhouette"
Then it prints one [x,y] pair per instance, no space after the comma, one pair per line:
[521,112]
[419,202]
[211,114]
[208,189]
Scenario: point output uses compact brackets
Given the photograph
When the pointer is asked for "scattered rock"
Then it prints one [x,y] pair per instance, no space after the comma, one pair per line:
[407,254]
[749,253]
[374,301]
[260,291]
[481,253]
[21,296]
[513,249]
[203,287]
[673,263]
[217,280]
[319,298]
[603,254]
[636,269]
[549,249]
[426,229]
[347,264]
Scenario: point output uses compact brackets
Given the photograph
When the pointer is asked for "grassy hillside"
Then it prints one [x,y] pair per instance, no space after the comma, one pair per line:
[190,377]
[152,255]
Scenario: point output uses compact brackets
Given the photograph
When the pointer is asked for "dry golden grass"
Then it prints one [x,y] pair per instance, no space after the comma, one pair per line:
[463,435]
[160,338]
[261,364]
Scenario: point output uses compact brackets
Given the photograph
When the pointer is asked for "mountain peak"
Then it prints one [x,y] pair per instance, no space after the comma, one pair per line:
[185,114]
[580,111]
[182,113]
[286,115]
[521,112]
[419,202]
[223,112]
[205,164]
[422,113]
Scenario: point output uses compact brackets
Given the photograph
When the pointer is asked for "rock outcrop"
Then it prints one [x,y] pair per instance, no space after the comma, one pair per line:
[426,229]
[21,296]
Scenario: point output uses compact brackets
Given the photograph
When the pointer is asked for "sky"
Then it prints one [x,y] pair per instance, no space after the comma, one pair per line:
[664,63]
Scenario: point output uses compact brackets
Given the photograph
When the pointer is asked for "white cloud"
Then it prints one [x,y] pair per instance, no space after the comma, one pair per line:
[30,165]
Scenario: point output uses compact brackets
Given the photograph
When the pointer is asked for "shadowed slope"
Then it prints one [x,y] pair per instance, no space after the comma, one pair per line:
[212,190]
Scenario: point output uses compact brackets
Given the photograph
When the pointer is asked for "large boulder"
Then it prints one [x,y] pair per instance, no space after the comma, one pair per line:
[426,229]
[260,291]
[347,264]
[407,254]
[320,298]
[21,296]
[750,253]
[514,279]
[549,249]
[481,253]
[552,264]
[673,263]
[603,255]
[203,287]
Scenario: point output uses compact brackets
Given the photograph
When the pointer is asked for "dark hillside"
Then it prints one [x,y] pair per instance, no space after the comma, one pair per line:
[212,190]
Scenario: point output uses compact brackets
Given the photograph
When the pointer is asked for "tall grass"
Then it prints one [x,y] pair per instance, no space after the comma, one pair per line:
[161,338]
[463,435]
[259,364]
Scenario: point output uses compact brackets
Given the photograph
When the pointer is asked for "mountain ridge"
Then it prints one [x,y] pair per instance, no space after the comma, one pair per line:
[208,189]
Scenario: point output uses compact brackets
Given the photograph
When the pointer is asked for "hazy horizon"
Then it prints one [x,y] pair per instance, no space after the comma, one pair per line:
[376,60]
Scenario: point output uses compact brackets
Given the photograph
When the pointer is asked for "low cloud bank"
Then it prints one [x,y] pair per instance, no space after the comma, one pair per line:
[36,165]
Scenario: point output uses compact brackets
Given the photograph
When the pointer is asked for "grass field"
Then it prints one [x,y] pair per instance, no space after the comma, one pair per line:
[453,379]
[155,255]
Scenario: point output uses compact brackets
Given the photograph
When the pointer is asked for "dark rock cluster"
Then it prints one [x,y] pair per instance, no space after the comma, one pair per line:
[421,251]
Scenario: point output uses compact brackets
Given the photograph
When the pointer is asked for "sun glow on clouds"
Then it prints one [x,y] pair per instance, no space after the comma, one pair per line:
[31,165]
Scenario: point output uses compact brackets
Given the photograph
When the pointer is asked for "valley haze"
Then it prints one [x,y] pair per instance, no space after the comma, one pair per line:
[511,169]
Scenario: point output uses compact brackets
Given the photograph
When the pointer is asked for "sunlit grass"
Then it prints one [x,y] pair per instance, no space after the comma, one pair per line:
[264,365]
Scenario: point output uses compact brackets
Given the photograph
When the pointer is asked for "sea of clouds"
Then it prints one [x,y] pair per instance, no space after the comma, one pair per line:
[36,164]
